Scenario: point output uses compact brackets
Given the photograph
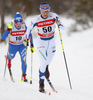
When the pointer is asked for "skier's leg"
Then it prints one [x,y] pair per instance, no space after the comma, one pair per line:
[22,52]
[43,60]
[50,54]
[51,51]
[41,50]
[47,73]
[11,54]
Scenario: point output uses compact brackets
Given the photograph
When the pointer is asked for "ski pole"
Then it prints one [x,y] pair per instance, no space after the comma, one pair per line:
[64,58]
[11,76]
[5,64]
[6,56]
[31,67]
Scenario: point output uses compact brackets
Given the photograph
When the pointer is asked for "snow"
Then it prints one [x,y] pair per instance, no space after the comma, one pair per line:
[78,49]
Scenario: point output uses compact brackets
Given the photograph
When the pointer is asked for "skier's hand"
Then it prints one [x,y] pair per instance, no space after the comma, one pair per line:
[25,42]
[58,21]
[32,49]
[10,26]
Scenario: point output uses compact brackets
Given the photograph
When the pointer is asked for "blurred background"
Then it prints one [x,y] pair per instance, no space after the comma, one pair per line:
[81,11]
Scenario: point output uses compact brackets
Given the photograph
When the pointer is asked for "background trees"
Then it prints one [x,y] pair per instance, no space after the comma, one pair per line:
[80,10]
[83,14]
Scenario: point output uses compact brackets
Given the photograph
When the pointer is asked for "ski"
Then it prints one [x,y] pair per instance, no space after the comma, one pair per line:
[46,92]
[48,80]
[5,65]
[24,81]
[10,72]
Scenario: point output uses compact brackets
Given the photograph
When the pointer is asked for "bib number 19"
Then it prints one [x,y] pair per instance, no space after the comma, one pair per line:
[18,38]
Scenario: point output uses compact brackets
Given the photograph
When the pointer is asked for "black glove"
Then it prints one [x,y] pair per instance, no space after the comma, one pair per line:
[26,42]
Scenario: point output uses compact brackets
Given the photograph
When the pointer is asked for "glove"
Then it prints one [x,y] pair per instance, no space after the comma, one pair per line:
[25,42]
[32,49]
[10,26]
[58,22]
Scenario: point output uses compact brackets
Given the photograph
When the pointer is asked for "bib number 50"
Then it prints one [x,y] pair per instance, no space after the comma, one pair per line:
[47,29]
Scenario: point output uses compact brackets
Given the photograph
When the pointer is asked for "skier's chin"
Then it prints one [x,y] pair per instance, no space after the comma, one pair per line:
[45,16]
[18,26]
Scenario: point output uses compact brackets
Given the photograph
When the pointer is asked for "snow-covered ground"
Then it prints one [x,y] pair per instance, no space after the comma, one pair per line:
[78,50]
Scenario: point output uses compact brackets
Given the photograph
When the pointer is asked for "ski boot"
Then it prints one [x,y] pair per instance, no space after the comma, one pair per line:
[24,78]
[47,73]
[41,86]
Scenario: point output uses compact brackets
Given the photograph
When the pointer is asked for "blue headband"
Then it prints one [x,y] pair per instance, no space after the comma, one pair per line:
[44,7]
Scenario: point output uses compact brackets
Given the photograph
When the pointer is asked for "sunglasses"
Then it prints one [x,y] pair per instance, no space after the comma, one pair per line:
[18,22]
[45,10]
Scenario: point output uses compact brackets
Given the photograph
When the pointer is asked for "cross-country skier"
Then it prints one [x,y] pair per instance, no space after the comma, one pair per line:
[45,46]
[16,42]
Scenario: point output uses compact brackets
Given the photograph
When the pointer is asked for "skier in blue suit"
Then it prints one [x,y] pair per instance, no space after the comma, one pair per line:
[17,42]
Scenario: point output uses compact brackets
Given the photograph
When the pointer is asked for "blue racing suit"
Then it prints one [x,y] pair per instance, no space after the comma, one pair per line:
[16,44]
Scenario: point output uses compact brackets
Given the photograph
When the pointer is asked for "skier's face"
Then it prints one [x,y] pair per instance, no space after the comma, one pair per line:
[44,13]
[18,25]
